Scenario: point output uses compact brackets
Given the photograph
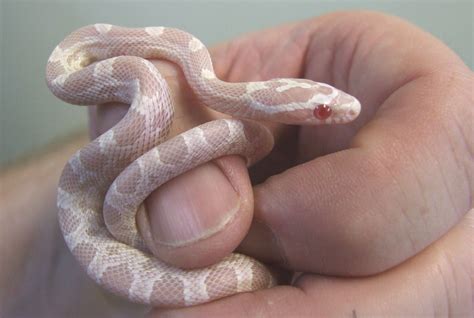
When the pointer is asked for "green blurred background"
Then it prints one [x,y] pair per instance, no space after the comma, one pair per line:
[31,118]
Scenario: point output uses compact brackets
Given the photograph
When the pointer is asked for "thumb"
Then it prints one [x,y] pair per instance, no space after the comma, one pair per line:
[187,217]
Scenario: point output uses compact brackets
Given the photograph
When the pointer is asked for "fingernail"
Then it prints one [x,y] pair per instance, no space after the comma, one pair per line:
[192,206]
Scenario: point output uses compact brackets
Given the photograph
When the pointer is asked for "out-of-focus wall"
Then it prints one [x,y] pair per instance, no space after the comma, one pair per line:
[31,118]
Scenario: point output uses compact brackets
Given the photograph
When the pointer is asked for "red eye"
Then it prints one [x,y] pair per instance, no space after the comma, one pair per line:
[322,111]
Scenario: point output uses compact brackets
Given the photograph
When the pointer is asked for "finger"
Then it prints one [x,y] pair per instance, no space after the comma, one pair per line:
[368,208]
[437,282]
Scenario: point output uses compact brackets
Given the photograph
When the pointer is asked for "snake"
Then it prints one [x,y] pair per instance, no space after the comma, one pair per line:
[104,184]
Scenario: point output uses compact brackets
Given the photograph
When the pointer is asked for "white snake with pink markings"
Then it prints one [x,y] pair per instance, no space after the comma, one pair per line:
[103,185]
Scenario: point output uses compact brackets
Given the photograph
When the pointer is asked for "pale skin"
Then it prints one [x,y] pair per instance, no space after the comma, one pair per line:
[383,203]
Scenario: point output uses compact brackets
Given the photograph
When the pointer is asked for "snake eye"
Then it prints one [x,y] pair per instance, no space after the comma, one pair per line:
[322,111]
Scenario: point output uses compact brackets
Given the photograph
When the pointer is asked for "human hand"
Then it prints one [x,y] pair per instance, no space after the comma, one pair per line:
[390,191]
[405,182]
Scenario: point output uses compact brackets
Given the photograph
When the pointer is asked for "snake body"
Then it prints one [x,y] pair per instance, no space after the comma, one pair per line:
[103,184]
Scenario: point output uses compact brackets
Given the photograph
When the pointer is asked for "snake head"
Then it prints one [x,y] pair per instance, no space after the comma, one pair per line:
[313,103]
[342,108]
